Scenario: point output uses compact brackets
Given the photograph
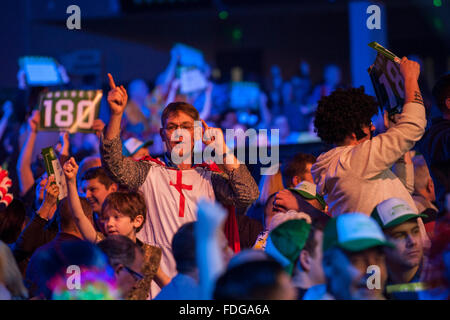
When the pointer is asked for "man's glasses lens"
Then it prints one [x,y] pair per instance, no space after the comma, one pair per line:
[185,127]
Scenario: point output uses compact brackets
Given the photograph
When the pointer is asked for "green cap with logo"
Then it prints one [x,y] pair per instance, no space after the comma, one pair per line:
[353,232]
[308,191]
[286,241]
[394,211]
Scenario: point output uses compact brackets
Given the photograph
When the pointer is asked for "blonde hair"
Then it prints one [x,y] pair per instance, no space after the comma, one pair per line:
[10,275]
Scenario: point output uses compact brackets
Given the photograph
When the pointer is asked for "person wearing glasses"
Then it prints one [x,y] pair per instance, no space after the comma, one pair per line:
[355,175]
[127,259]
[173,185]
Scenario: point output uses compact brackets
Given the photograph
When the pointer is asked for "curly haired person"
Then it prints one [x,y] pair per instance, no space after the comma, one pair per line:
[355,175]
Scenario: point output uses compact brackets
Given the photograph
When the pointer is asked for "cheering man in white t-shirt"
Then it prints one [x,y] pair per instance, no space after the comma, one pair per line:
[172,187]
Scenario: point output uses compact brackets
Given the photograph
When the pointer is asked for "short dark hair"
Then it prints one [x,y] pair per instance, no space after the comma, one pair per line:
[183,248]
[86,164]
[254,280]
[65,217]
[128,203]
[119,250]
[176,107]
[343,112]
[100,174]
[441,91]
[296,166]
[54,260]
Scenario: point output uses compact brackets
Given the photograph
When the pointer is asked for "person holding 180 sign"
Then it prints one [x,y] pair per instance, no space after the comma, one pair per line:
[356,175]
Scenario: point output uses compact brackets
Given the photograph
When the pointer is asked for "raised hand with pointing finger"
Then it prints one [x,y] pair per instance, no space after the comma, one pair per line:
[117,97]
[117,100]
[214,135]
[210,134]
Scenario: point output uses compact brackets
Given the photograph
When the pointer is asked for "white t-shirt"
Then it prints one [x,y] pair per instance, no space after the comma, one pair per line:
[165,216]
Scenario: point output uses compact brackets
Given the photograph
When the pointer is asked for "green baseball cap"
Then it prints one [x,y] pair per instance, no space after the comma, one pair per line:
[353,232]
[308,191]
[394,211]
[286,241]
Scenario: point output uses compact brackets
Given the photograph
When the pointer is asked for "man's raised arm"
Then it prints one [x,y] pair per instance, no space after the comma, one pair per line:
[117,101]
[123,170]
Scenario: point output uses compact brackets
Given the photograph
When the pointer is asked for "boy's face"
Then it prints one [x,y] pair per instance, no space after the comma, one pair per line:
[96,193]
[115,222]
[408,251]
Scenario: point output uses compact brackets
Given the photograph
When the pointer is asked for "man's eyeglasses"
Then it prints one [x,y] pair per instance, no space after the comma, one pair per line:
[173,127]
[136,275]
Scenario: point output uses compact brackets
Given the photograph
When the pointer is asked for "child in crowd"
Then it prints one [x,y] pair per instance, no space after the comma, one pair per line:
[122,213]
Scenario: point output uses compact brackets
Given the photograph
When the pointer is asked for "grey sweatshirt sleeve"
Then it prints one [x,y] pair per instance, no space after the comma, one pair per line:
[371,157]
[122,170]
[236,188]
[405,172]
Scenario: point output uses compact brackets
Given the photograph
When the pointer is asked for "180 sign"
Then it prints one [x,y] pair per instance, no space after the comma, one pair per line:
[73,110]
[388,84]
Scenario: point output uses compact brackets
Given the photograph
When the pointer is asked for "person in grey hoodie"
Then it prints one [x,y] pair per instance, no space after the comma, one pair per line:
[355,176]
